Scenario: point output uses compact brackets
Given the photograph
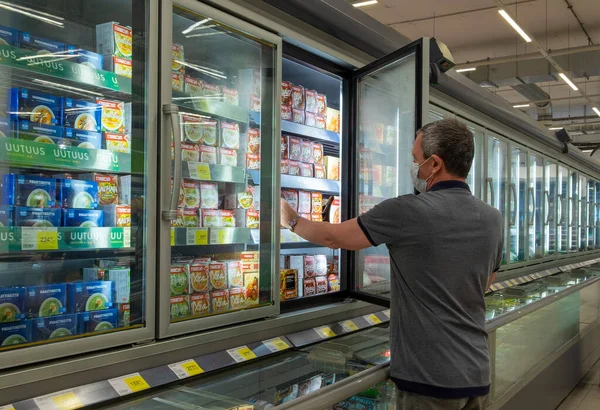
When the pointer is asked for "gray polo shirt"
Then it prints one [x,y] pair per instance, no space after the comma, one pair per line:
[443,245]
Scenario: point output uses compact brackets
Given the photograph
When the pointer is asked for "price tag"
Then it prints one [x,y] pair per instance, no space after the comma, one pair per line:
[324,332]
[65,400]
[7,407]
[241,354]
[513,282]
[372,319]
[185,369]
[199,170]
[127,237]
[172,236]
[349,326]
[387,313]
[129,384]
[39,239]
[221,236]
[197,236]
[276,345]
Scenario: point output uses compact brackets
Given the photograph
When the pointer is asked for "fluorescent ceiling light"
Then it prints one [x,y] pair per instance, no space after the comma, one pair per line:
[195,25]
[365,3]
[568,81]
[33,14]
[205,70]
[596,110]
[521,106]
[514,25]
[555,128]
[463,70]
[65,87]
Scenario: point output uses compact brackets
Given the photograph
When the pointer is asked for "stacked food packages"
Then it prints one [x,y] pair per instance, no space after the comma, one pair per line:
[307,275]
[307,107]
[100,302]
[302,157]
[203,286]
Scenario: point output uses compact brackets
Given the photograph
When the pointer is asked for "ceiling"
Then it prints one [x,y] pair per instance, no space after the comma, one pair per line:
[474,31]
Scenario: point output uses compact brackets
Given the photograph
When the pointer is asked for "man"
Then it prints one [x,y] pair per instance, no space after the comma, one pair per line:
[445,248]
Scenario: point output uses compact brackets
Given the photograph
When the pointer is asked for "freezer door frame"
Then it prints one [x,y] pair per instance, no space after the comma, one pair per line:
[165,328]
[548,180]
[514,190]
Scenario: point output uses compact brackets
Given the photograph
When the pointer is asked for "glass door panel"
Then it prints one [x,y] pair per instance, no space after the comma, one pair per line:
[535,206]
[562,202]
[518,211]
[591,215]
[497,178]
[597,215]
[573,204]
[74,178]
[223,86]
[551,200]
[583,213]
[475,174]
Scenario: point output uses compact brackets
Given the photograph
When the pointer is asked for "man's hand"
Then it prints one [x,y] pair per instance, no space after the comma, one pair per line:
[287,214]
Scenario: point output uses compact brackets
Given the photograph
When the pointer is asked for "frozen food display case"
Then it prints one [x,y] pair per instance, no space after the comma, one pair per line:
[76,262]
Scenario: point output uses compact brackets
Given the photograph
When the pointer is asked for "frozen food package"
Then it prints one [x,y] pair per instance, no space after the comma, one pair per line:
[298,97]
[307,153]
[193,86]
[317,153]
[209,132]
[228,157]
[304,202]
[119,215]
[286,113]
[119,66]
[253,161]
[43,217]
[294,168]
[10,36]
[191,218]
[246,218]
[237,298]
[111,116]
[332,165]
[125,189]
[211,218]
[286,94]
[334,212]
[108,187]
[333,282]
[180,307]
[306,170]
[114,39]
[179,280]
[291,197]
[253,140]
[294,148]
[298,115]
[295,262]
[311,101]
[321,282]
[240,200]
[230,135]
[255,103]
[316,217]
[210,90]
[199,276]
[310,287]
[309,266]
[234,273]
[200,304]
[251,287]
[177,82]
[189,152]
[227,218]
[288,284]
[333,120]
[285,166]
[319,171]
[249,256]
[191,194]
[321,104]
[209,194]
[208,154]
[218,275]
[117,142]
[74,193]
[191,128]
[317,202]
[231,96]
[220,301]
[320,265]
[178,58]
[284,147]
[321,122]
[310,119]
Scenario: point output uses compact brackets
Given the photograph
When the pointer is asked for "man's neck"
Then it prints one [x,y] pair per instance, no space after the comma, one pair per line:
[441,178]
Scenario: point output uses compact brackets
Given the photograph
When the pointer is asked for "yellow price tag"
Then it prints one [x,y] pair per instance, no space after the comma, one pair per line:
[136,383]
[202,237]
[191,368]
[203,171]
[276,345]
[47,240]
[324,332]
[246,353]
[67,401]
[372,319]
[349,326]
[172,236]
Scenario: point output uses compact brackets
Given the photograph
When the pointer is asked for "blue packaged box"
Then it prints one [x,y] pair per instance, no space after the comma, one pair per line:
[12,304]
[83,138]
[53,327]
[46,300]
[98,320]
[6,216]
[80,115]
[26,190]
[78,194]
[85,57]
[35,106]
[90,296]
[7,128]
[40,217]
[83,218]
[16,333]
[40,44]
[9,36]
[46,134]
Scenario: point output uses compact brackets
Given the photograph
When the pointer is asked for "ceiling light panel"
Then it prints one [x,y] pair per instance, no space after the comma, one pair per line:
[365,3]
[514,25]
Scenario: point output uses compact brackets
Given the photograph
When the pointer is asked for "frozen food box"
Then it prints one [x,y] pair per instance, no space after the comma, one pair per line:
[211,90]
[119,66]
[178,58]
[310,287]
[42,217]
[211,218]
[208,155]
[316,217]
[230,135]
[231,96]
[190,152]
[240,200]
[286,93]
[291,197]
[191,218]
[108,187]
[249,256]
[294,148]
[124,189]
[192,128]
[332,165]
[288,284]
[253,161]
[298,116]
[298,97]
[286,113]
[80,115]
[46,300]
[179,279]
[321,122]
[209,132]
[296,262]
[284,153]
[237,298]
[304,202]
[317,202]
[117,142]
[15,333]
[177,82]
[334,211]
[333,283]
[251,288]
[311,101]
[253,141]
[75,193]
[249,266]
[209,195]
[228,157]
[294,168]
[111,116]
[189,194]
[7,128]
[193,86]
[180,307]
[83,138]
[285,167]
[199,276]
[12,304]
[27,190]
[333,120]
[317,153]
[9,36]
[89,295]
[111,38]
[200,304]
[40,44]
[218,275]
[99,321]
[86,57]
[234,273]
[83,218]
[116,216]
[309,266]
[322,286]
[320,265]
[53,327]
[42,133]
[321,104]
[34,106]
[124,310]
[310,119]
[306,170]
[6,216]
[120,276]
[220,300]
[255,103]
[246,218]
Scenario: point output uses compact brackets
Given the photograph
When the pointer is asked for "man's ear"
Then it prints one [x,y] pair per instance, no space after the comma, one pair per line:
[438,163]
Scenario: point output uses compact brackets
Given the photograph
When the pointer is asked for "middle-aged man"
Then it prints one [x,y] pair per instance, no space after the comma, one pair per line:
[445,248]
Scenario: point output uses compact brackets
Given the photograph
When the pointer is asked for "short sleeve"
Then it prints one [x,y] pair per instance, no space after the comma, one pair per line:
[383,222]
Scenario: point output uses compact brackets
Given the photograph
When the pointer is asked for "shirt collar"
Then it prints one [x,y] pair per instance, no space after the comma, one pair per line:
[449,184]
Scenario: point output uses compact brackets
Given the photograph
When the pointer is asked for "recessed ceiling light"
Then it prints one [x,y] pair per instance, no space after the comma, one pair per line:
[568,81]
[514,25]
[462,70]
[521,106]
[365,3]
[555,128]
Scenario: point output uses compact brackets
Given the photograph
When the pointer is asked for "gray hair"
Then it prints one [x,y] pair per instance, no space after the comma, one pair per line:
[453,142]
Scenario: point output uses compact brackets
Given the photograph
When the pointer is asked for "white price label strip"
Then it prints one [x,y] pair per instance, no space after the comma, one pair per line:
[372,319]
[349,326]
[128,384]
[126,237]
[387,313]
[276,345]
[241,354]
[186,369]
[64,400]
[324,332]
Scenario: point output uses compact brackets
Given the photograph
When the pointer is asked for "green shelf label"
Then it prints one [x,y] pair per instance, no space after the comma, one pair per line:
[22,152]
[70,238]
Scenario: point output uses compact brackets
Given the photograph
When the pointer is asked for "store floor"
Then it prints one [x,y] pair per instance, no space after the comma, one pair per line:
[586,396]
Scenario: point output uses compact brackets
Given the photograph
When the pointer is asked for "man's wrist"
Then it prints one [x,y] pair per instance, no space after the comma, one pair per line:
[294,222]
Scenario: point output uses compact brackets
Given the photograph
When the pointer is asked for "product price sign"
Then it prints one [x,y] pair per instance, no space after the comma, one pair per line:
[221,236]
[241,354]
[7,407]
[372,319]
[172,236]
[197,236]
[324,332]
[128,384]
[39,239]
[186,369]
[199,170]
[349,326]
[65,400]
[276,345]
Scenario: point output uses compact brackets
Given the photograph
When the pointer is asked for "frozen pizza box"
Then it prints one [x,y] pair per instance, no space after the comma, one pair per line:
[12,304]
[108,187]
[15,333]
[6,216]
[83,138]
[310,287]
[180,306]
[220,300]
[199,276]
[298,116]
[251,288]
[98,321]
[306,170]
[119,66]
[249,256]
[311,101]
[178,58]
[179,279]
[80,115]
[116,216]
[53,327]
[294,168]
[306,152]
[114,39]
[34,106]
[246,218]
[117,142]
[111,116]
[75,193]
[322,285]
[228,157]
[9,36]
[309,266]
[288,284]
[89,295]
[218,275]
[298,97]
[24,190]
[294,148]
[237,298]
[40,44]
[42,217]
[86,57]
[200,304]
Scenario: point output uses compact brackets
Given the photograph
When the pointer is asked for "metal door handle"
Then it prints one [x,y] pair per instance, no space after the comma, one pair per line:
[172,111]
[559,208]
[490,183]
[547,198]
[513,200]
[573,213]
[532,214]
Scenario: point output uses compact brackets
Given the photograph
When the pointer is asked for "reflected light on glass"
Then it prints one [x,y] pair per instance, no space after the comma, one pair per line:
[195,25]
[33,14]
[464,70]
[365,3]
[65,87]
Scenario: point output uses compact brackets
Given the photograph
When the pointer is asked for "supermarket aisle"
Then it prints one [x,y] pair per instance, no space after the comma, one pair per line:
[586,396]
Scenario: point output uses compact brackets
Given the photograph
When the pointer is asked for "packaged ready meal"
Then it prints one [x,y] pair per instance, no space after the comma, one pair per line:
[191,126]
[253,161]
[209,132]
[310,119]
[246,218]
[211,90]
[114,39]
[234,273]
[208,154]
[211,218]
[317,153]
[255,103]
[295,148]
[298,97]
[285,166]
[307,152]
[251,288]
[199,276]
[200,304]
[321,105]
[309,266]
[319,171]
[304,202]
[218,275]
[242,200]
[220,301]
[288,284]
[191,219]
[311,101]
[284,147]
[108,187]
[191,194]
[294,168]
[179,280]
[193,86]
[286,113]
[333,282]
[111,116]
[117,143]
[228,157]
[317,202]
[298,115]
[237,298]
[249,256]
[333,120]
[178,58]
[209,194]
[177,82]
[286,94]
[291,197]
[316,217]
[320,265]
[35,107]
[231,96]
[119,66]
[253,140]
[334,212]
[310,287]
[321,282]
[180,307]
[332,164]
[321,122]
[306,170]
[230,135]
[227,219]
[190,152]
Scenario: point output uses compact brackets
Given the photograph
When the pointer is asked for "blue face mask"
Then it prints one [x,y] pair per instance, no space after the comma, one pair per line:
[419,184]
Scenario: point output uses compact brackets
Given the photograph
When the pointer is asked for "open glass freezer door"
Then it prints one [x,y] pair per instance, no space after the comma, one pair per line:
[75,260]
[387,98]
[220,137]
